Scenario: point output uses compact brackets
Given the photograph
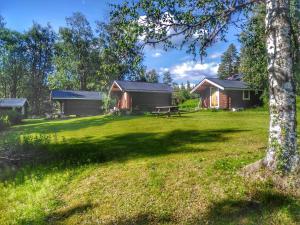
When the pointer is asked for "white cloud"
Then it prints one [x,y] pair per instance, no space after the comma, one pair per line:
[156,54]
[215,55]
[192,71]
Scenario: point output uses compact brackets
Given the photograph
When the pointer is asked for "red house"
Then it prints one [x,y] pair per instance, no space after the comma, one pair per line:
[226,94]
[140,96]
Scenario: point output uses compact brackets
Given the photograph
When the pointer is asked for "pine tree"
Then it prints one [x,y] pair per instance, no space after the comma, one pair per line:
[152,76]
[229,62]
[182,87]
[167,79]
[2,22]
[188,86]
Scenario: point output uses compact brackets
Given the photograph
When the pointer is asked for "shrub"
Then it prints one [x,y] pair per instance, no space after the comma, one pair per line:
[14,117]
[189,105]
[4,122]
[9,118]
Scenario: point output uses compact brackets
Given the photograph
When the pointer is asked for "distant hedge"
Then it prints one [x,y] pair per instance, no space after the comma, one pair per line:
[189,105]
[9,118]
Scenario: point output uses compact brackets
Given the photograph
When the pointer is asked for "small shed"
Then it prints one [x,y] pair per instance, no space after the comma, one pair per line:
[140,96]
[227,94]
[82,103]
[18,104]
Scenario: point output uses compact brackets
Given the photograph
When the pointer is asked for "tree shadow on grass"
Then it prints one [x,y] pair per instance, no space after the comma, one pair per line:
[77,152]
[136,145]
[259,209]
[144,219]
[60,216]
[52,126]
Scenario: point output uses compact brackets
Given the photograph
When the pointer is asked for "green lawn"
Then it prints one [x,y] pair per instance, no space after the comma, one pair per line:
[146,170]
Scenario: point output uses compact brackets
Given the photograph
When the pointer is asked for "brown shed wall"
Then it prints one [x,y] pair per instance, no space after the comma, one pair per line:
[144,101]
[235,98]
[82,107]
[229,98]
[205,97]
[223,102]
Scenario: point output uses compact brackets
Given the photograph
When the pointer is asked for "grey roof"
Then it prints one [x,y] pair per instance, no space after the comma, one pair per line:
[237,76]
[134,86]
[83,95]
[12,102]
[230,84]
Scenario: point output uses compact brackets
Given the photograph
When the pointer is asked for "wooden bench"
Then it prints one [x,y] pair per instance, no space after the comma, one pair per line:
[166,110]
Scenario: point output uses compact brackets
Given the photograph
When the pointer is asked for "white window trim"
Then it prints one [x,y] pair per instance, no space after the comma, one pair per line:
[248,98]
[218,91]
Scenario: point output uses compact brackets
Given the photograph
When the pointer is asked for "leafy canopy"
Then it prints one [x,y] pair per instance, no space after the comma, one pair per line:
[177,23]
[253,52]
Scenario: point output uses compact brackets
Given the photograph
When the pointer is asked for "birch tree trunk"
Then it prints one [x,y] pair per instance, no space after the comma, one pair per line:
[282,152]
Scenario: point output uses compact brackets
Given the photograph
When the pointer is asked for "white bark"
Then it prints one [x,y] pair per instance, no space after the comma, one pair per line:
[282,152]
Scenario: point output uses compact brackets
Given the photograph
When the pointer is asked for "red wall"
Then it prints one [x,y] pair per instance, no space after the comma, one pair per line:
[228,98]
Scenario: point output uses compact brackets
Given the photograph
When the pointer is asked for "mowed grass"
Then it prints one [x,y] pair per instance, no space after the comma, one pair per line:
[147,170]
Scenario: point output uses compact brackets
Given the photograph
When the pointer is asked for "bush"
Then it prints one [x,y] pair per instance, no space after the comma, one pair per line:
[9,118]
[4,122]
[14,117]
[189,105]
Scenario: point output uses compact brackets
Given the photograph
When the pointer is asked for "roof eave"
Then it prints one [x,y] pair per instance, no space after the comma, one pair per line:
[238,89]
[90,99]
[149,91]
[206,80]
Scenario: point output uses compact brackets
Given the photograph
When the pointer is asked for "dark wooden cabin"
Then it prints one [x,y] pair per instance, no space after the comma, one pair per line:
[140,96]
[226,94]
[82,103]
[18,104]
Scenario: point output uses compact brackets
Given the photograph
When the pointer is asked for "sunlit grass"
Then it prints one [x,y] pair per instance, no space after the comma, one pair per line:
[146,170]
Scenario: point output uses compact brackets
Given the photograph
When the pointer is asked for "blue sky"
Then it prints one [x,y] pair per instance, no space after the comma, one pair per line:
[19,15]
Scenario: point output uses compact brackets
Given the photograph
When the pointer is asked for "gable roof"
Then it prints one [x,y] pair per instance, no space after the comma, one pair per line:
[81,95]
[230,84]
[12,102]
[134,86]
[238,76]
[224,84]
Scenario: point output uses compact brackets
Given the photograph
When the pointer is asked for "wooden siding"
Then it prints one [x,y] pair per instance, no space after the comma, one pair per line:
[223,101]
[204,93]
[142,101]
[236,99]
[81,107]
[125,101]
[228,98]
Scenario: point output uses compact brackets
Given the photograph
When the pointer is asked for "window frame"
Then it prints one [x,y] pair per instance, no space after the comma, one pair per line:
[210,97]
[246,98]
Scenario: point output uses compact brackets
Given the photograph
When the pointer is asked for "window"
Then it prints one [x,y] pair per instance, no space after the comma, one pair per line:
[246,95]
[214,97]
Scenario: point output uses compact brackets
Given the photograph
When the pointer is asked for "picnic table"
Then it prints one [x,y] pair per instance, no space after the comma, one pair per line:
[166,110]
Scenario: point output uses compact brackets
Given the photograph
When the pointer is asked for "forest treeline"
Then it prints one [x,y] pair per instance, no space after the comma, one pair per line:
[85,56]
[78,56]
